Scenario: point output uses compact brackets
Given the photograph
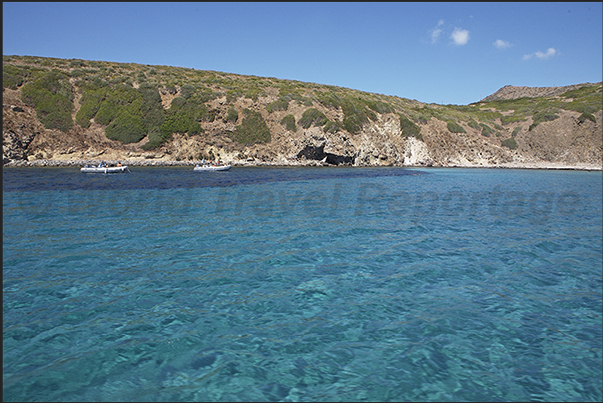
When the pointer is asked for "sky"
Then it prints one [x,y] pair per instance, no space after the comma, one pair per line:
[443,53]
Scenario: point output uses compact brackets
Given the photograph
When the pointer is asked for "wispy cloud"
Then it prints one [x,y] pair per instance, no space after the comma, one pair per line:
[436,32]
[460,36]
[550,52]
[500,44]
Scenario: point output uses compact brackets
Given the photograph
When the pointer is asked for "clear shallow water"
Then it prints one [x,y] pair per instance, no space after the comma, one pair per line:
[268,284]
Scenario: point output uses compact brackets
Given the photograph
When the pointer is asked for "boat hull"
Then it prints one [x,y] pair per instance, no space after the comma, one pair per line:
[212,168]
[105,170]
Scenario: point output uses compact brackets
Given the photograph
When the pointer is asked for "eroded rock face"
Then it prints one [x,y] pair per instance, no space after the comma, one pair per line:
[19,128]
[14,145]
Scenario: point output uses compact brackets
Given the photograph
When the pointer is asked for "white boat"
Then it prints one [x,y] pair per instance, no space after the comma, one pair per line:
[207,167]
[105,170]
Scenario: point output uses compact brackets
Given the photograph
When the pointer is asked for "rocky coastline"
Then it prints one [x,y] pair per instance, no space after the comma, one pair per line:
[327,126]
[299,163]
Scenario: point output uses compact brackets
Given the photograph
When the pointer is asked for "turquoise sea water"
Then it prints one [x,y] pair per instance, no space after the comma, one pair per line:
[302,284]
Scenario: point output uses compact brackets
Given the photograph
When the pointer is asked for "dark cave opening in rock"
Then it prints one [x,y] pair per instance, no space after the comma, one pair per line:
[319,154]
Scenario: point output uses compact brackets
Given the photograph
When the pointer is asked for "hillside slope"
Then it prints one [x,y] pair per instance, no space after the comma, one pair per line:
[58,111]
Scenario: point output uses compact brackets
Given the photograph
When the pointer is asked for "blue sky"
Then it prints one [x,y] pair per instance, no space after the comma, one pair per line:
[444,53]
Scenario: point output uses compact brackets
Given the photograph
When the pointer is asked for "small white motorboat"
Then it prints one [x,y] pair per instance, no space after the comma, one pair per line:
[104,169]
[207,167]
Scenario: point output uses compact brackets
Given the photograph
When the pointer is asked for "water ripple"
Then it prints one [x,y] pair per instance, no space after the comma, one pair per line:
[303,285]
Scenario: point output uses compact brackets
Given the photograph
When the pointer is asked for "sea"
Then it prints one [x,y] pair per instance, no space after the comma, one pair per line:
[302,284]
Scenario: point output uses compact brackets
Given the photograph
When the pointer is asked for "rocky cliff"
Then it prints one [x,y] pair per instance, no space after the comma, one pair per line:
[515,127]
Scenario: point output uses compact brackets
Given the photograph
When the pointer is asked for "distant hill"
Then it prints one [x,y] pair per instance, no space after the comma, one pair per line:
[73,111]
[513,92]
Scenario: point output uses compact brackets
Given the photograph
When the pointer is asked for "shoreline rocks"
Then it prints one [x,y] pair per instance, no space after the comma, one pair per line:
[299,163]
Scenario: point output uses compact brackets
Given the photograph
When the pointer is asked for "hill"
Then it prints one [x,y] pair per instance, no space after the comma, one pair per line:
[59,111]
[513,92]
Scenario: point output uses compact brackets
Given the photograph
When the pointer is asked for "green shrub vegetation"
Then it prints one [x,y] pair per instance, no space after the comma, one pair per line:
[590,100]
[408,128]
[155,139]
[281,104]
[183,117]
[187,91]
[331,127]
[312,117]
[151,108]
[356,114]
[505,120]
[357,110]
[586,116]
[474,125]
[544,116]
[330,100]
[232,115]
[14,77]
[90,104]
[108,98]
[116,98]
[127,127]
[487,131]
[252,130]
[454,127]
[379,106]
[52,97]
[289,122]
[509,143]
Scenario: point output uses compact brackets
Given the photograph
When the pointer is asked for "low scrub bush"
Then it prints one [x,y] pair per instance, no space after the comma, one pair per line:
[487,131]
[253,93]
[545,116]
[331,127]
[408,128]
[13,76]
[509,143]
[151,107]
[127,128]
[312,117]
[586,116]
[583,92]
[289,122]
[233,95]
[454,127]
[90,104]
[187,91]
[590,105]
[252,130]
[356,115]
[330,100]
[52,97]
[474,125]
[281,104]
[183,117]
[505,120]
[379,106]
[115,99]
[155,139]
[232,115]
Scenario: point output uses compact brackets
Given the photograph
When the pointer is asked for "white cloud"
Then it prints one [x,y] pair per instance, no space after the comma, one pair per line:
[550,52]
[460,36]
[500,44]
[435,33]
